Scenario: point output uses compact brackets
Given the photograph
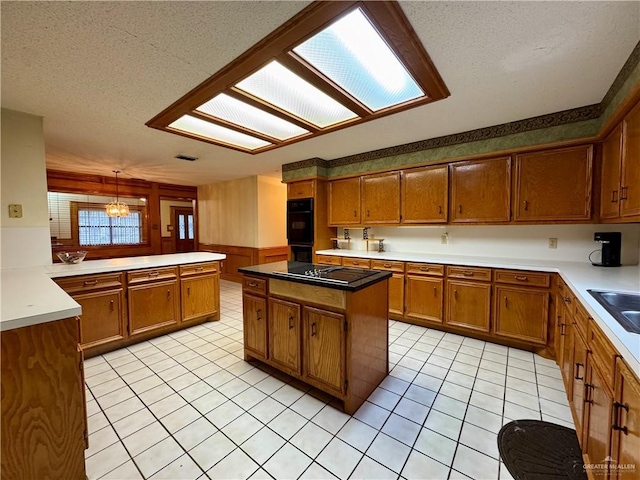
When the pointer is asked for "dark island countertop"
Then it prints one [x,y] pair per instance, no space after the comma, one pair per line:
[336,277]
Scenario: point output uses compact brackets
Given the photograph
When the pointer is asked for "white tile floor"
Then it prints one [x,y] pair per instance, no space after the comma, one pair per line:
[187,406]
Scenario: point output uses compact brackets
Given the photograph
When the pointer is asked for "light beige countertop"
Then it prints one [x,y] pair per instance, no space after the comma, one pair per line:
[579,276]
[29,296]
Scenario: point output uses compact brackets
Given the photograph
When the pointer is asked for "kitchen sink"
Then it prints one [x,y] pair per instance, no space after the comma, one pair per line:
[625,308]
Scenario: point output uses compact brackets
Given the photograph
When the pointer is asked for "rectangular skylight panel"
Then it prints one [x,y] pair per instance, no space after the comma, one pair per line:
[196,126]
[235,111]
[351,53]
[281,87]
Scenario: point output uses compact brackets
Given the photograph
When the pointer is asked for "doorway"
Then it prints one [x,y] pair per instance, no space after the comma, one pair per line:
[183,229]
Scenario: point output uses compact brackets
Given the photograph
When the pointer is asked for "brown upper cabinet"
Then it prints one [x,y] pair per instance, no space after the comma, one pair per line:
[620,194]
[425,195]
[381,198]
[481,191]
[344,202]
[301,189]
[553,185]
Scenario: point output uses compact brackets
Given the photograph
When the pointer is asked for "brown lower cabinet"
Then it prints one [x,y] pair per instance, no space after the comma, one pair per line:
[43,420]
[331,339]
[121,308]
[521,313]
[579,379]
[468,305]
[424,299]
[625,438]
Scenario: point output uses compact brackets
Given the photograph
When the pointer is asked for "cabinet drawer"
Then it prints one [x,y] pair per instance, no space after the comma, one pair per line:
[470,273]
[425,269]
[302,189]
[329,259]
[580,318]
[198,268]
[151,274]
[356,262]
[87,283]
[387,265]
[604,354]
[519,277]
[255,285]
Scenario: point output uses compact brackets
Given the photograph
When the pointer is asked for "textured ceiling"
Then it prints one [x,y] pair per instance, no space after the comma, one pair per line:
[97,71]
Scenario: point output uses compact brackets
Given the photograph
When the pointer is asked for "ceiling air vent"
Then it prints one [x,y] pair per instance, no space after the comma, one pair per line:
[186,157]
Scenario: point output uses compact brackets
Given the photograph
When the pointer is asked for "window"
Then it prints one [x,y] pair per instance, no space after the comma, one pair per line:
[96,228]
[333,65]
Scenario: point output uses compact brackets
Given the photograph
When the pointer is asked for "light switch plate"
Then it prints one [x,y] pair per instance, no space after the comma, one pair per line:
[15,211]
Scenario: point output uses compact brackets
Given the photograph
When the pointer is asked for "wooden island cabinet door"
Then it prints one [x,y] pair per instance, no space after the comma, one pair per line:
[284,335]
[522,314]
[254,311]
[468,305]
[153,306]
[199,296]
[481,191]
[324,347]
[102,319]
[541,181]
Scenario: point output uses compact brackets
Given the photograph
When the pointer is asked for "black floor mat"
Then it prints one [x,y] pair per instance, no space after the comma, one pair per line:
[535,450]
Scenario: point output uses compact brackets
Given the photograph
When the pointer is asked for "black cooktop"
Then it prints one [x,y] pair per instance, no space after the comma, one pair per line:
[342,278]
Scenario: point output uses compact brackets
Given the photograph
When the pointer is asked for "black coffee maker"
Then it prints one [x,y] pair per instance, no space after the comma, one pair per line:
[611,246]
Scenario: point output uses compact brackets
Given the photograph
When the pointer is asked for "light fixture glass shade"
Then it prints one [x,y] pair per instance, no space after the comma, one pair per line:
[196,126]
[117,209]
[351,53]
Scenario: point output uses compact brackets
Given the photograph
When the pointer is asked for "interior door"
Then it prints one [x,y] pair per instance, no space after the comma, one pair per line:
[184,229]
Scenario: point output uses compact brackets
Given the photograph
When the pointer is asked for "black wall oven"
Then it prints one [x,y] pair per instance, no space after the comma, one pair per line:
[300,221]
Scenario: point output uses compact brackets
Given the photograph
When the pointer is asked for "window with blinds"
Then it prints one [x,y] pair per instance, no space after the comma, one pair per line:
[96,228]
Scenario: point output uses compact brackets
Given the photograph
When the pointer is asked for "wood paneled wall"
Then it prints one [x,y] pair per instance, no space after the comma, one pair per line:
[98,185]
[238,257]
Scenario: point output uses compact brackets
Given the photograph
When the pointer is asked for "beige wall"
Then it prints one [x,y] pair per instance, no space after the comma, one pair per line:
[248,212]
[165,213]
[25,241]
[272,212]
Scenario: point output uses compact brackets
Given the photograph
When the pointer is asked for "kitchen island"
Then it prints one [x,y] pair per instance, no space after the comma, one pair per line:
[325,326]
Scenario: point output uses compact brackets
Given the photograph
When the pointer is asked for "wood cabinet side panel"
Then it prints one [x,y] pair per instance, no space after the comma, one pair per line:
[43,414]
[630,175]
[611,171]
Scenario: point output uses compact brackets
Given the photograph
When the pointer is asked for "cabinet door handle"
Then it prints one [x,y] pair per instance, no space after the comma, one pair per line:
[313,329]
[577,371]
[188,291]
[90,282]
[199,269]
[439,209]
[587,388]
[526,205]
[252,284]
[367,213]
[455,294]
[111,306]
[259,314]
[623,193]
[387,265]
[614,196]
[558,321]
[355,263]
[435,291]
[424,269]
[355,213]
[563,326]
[460,209]
[467,273]
[566,299]
[290,322]
[506,302]
[522,278]
[168,294]
[153,274]
[617,406]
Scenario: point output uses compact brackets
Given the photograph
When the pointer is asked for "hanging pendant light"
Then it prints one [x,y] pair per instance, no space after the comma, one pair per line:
[117,208]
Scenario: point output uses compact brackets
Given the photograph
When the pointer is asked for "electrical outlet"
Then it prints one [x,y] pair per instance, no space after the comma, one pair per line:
[553,243]
[444,238]
[15,211]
